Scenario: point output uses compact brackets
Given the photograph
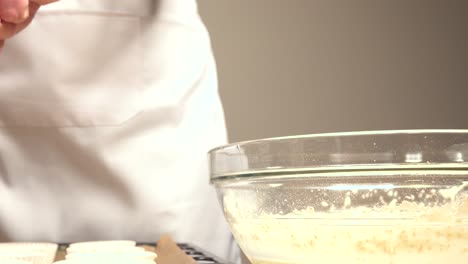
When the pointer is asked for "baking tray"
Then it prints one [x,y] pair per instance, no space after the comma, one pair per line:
[200,255]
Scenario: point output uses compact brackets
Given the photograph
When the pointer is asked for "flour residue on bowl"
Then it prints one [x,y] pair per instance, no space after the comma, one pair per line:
[429,226]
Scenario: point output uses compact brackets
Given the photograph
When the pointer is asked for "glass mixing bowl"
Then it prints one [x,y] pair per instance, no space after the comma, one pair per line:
[387,197]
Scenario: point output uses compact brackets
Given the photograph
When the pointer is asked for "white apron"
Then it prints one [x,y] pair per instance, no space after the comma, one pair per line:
[107,110]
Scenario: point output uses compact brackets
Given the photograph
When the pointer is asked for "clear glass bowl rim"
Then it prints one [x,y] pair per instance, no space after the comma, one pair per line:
[417,149]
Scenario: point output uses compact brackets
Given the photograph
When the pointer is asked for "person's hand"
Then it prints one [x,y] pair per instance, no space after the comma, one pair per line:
[15,15]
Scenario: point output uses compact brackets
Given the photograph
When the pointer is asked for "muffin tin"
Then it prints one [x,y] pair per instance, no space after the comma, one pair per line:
[200,255]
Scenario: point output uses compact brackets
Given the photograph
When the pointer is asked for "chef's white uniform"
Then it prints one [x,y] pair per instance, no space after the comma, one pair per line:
[107,110]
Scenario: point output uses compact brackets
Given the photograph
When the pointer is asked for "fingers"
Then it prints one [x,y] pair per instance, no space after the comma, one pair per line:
[17,11]
[33,7]
[7,30]
[12,23]
[14,11]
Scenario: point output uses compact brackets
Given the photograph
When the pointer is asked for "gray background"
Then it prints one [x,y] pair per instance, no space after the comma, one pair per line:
[305,66]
